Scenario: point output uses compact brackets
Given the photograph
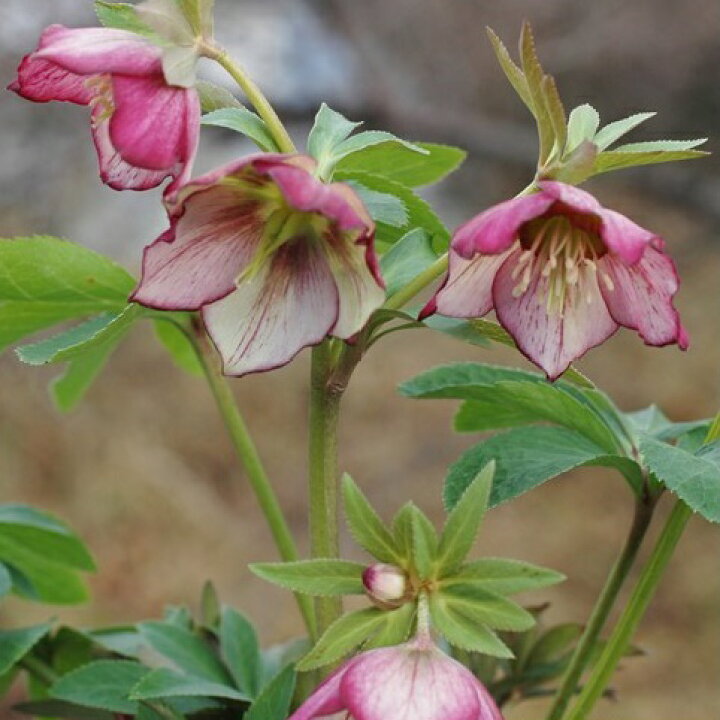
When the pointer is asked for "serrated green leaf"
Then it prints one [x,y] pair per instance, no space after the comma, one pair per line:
[424,543]
[525,457]
[554,643]
[617,160]
[371,138]
[123,16]
[44,535]
[464,632]
[534,76]
[274,701]
[406,259]
[582,125]
[244,121]
[240,651]
[402,532]
[403,165]
[463,522]
[181,350]
[513,73]
[365,525]
[490,413]
[16,644]
[45,281]
[314,577]
[383,207]
[214,97]
[579,165]
[122,640]
[63,710]
[556,112]
[165,683]
[328,131]
[693,478]
[104,684]
[185,650]
[504,577]
[661,145]
[345,634]
[652,421]
[613,131]
[463,330]
[397,627]
[486,608]
[419,213]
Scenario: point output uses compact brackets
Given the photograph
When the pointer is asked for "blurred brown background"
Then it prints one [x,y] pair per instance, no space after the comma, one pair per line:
[143,470]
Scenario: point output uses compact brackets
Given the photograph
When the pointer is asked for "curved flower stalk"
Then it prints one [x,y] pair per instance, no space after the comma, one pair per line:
[415,681]
[562,274]
[275,259]
[145,130]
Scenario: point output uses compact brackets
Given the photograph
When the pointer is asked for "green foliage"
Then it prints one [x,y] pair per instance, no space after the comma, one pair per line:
[165,683]
[176,342]
[273,703]
[406,259]
[383,207]
[240,651]
[419,213]
[42,556]
[504,577]
[123,16]
[215,97]
[314,577]
[244,121]
[16,644]
[403,165]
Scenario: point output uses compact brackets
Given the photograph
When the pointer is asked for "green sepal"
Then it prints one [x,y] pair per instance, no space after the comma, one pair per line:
[463,631]
[463,522]
[504,577]
[343,636]
[317,577]
[365,525]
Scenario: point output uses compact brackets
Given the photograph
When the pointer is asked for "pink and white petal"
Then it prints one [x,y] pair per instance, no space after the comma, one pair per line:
[641,297]
[306,193]
[467,290]
[291,303]
[426,685]
[359,291]
[148,125]
[625,238]
[200,258]
[326,699]
[495,230]
[552,340]
[572,197]
[114,171]
[43,81]
[94,51]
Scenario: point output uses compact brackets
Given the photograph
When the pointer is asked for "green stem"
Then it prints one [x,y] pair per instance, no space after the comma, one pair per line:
[633,613]
[418,284]
[253,93]
[39,669]
[641,520]
[248,455]
[323,472]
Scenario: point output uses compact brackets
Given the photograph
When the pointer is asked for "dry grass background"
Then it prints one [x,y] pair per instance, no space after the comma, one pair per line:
[143,469]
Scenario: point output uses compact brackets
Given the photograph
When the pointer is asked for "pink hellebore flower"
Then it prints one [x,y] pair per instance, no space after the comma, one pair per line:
[144,129]
[414,681]
[562,273]
[276,260]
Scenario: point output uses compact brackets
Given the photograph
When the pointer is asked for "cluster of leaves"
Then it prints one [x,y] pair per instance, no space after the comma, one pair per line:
[172,667]
[549,429]
[468,600]
[45,282]
[575,148]
[541,657]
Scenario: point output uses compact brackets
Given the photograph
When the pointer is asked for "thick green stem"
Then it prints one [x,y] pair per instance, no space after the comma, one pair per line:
[253,93]
[641,520]
[323,471]
[248,455]
[633,613]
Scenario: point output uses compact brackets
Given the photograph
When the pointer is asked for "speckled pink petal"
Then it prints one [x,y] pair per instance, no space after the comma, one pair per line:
[625,238]
[291,303]
[551,340]
[641,297]
[467,290]
[495,230]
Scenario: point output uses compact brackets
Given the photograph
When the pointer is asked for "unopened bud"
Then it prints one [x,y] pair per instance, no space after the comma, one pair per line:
[386,585]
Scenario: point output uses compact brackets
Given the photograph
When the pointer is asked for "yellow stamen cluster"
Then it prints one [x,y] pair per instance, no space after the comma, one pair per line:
[566,255]
[101,86]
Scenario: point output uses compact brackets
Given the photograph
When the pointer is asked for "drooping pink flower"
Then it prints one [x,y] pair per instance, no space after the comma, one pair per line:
[562,274]
[144,129]
[414,681]
[276,260]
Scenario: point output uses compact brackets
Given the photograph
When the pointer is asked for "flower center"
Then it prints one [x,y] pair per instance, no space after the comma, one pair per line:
[563,254]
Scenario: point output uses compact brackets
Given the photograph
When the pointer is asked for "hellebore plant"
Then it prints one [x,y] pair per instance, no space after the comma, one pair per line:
[326,247]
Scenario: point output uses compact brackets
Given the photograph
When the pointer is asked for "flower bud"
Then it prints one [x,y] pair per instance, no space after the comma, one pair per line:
[386,585]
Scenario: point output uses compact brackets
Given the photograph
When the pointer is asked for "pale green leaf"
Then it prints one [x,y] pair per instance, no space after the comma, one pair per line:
[215,97]
[556,112]
[513,73]
[424,543]
[383,207]
[662,145]
[166,683]
[181,349]
[487,608]
[244,121]
[463,330]
[396,629]
[406,259]
[582,125]
[314,577]
[504,577]
[123,16]
[240,651]
[618,160]
[613,131]
[328,131]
